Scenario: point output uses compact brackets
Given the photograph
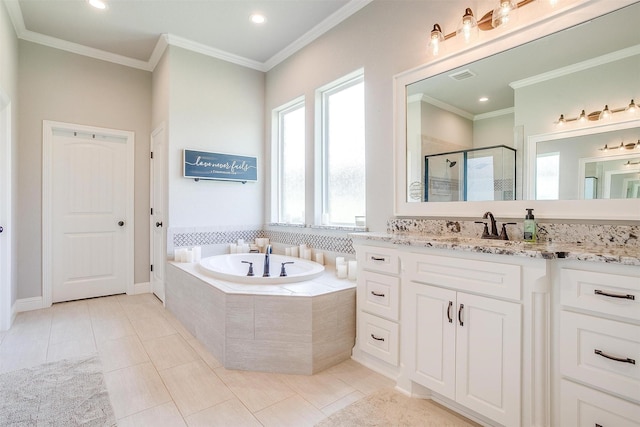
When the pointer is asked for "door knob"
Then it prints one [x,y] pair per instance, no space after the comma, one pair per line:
[1,229]
[121,223]
[158,224]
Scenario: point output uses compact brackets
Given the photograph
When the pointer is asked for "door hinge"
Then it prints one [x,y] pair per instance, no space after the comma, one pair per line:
[151,211]
[151,267]
[152,154]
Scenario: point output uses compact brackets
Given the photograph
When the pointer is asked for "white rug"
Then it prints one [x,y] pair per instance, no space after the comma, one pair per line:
[67,393]
[390,408]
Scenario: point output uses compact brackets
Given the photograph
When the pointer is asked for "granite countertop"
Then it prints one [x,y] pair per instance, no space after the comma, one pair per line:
[626,255]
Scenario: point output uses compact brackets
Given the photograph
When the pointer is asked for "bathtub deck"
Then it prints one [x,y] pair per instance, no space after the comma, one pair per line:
[298,328]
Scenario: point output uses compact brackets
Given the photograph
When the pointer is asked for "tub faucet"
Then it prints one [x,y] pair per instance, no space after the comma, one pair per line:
[267,254]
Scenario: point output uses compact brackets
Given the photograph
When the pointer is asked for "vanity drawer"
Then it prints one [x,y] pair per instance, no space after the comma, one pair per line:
[482,277]
[610,294]
[379,294]
[601,352]
[585,407]
[382,260]
[379,338]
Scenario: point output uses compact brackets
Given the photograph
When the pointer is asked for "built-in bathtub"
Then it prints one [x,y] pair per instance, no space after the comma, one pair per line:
[295,328]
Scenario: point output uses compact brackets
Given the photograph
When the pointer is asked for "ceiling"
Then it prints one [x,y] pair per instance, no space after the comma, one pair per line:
[135,32]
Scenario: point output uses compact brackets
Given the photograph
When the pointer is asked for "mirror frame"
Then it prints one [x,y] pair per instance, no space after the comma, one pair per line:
[540,22]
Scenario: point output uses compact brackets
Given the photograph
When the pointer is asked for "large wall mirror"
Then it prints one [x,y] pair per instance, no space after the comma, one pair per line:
[487,133]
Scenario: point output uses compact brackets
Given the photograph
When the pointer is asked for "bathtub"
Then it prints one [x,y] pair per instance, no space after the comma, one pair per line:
[234,268]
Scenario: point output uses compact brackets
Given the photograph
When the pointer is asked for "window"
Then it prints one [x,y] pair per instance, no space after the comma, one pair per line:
[548,176]
[290,163]
[343,150]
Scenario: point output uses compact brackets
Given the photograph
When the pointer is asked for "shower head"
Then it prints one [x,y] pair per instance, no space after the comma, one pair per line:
[451,164]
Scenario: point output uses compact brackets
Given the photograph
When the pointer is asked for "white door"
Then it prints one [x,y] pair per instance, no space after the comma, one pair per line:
[432,317]
[91,222]
[5,213]
[488,357]
[158,226]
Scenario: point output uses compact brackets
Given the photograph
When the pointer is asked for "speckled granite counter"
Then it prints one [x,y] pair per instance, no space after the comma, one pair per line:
[626,255]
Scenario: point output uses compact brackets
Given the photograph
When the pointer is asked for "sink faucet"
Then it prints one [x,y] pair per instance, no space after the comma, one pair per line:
[494,227]
[267,254]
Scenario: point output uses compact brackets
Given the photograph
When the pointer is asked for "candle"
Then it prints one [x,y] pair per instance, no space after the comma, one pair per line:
[233,248]
[320,258]
[307,254]
[353,268]
[339,260]
[294,251]
[188,255]
[287,251]
[197,254]
[341,271]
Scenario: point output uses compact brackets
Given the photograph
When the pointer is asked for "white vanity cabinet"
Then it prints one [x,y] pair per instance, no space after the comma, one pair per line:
[598,335]
[378,309]
[462,332]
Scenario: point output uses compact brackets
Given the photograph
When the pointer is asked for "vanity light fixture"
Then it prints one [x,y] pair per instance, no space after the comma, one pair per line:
[469,26]
[622,146]
[630,163]
[606,114]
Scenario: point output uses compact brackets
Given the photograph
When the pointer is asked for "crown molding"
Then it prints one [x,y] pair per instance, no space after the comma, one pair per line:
[334,19]
[15,14]
[580,66]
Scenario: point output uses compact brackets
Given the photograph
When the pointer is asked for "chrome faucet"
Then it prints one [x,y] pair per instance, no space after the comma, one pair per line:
[267,254]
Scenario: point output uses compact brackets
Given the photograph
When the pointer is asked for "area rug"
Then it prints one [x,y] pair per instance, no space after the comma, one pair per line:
[390,408]
[70,392]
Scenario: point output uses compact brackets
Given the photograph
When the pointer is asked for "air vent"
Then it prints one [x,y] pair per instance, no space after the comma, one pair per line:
[462,75]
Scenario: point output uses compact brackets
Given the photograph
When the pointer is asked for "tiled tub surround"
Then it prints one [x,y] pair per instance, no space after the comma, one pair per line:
[298,328]
[585,242]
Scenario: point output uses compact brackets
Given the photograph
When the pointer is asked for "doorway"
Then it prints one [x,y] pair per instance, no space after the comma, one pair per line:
[158,217]
[87,212]
[6,263]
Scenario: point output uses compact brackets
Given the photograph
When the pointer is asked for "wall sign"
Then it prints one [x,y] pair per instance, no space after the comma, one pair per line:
[219,166]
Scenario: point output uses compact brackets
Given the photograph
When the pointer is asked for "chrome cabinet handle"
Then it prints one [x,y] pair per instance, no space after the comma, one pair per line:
[617,359]
[460,314]
[376,294]
[376,338]
[376,258]
[610,295]
[449,312]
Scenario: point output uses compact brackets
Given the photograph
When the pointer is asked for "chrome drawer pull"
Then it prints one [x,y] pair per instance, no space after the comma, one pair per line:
[376,258]
[376,338]
[617,359]
[376,294]
[606,294]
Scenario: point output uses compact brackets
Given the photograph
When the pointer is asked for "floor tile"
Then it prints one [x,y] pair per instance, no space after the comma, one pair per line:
[166,415]
[195,387]
[204,353]
[71,349]
[105,329]
[32,323]
[229,413]
[360,377]
[257,390]
[152,327]
[167,352]
[121,353]
[342,403]
[320,390]
[135,389]
[294,411]
[22,351]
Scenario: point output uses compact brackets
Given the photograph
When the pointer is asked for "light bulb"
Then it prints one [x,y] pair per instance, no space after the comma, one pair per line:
[561,120]
[468,27]
[606,113]
[502,14]
[435,40]
[632,108]
[583,117]
[621,147]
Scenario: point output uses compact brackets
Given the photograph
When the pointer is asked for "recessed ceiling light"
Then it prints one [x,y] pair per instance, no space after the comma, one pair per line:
[98,4]
[257,18]
[483,99]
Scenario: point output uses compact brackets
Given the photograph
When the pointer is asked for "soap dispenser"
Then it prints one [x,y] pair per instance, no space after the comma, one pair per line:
[530,226]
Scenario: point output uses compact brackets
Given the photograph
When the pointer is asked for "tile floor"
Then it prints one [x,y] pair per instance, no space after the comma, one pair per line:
[158,374]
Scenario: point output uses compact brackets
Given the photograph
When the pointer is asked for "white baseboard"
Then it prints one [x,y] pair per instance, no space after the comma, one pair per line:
[28,304]
[142,288]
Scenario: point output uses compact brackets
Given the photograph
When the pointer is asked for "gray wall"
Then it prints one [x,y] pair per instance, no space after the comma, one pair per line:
[385,38]
[214,106]
[61,86]
[9,87]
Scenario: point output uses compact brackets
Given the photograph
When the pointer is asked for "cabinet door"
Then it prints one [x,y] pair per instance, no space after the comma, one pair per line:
[488,357]
[431,326]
